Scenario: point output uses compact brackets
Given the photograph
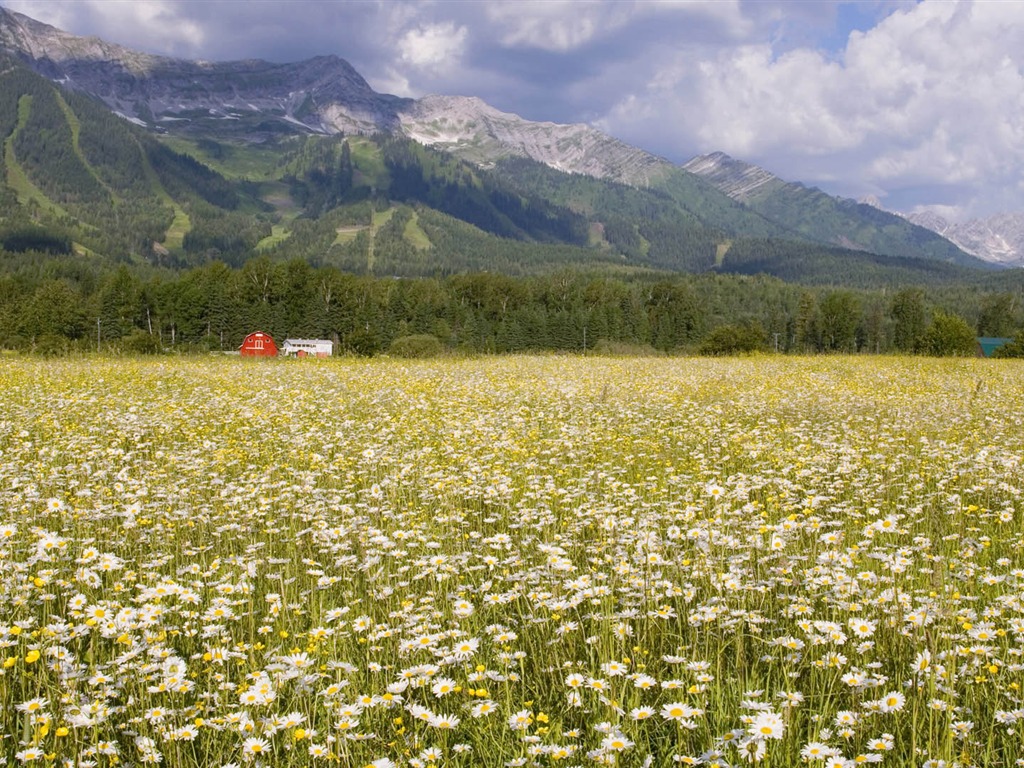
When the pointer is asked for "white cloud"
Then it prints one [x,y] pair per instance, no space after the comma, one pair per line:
[433,46]
[563,26]
[932,95]
[393,82]
[151,25]
[554,25]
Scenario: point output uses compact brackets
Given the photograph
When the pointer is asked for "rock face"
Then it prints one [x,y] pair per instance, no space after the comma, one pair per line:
[477,132]
[998,239]
[739,180]
[320,95]
[323,94]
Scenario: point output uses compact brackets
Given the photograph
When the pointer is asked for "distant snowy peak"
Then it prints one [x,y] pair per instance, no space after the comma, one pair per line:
[998,239]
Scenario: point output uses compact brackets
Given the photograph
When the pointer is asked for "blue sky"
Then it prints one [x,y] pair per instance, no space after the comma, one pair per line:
[920,104]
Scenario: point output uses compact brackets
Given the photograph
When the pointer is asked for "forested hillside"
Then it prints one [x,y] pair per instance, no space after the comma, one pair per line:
[77,177]
[88,177]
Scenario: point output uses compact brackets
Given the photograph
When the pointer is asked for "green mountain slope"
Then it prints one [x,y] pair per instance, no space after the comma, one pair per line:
[71,164]
[810,214]
[78,176]
[813,264]
[141,198]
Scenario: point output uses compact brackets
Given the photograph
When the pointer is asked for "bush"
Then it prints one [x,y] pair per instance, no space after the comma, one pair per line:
[738,339]
[420,345]
[1014,349]
[949,335]
[363,343]
[51,345]
[141,343]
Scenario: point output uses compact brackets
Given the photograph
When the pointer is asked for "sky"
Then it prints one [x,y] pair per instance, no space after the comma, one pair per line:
[918,104]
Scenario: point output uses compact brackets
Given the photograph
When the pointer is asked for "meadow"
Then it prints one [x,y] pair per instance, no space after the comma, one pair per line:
[516,561]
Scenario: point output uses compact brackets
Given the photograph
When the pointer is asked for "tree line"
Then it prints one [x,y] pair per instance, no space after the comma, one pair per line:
[53,303]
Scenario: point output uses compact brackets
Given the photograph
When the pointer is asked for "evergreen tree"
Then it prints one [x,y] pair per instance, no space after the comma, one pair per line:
[998,315]
[839,316]
[805,325]
[909,319]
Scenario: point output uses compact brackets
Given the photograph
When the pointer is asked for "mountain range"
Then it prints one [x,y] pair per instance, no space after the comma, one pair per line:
[229,158]
[998,239]
[322,95]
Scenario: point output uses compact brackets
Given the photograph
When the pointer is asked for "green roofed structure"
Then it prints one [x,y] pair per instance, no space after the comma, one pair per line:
[987,345]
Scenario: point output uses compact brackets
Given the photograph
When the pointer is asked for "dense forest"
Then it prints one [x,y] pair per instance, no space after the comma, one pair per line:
[56,304]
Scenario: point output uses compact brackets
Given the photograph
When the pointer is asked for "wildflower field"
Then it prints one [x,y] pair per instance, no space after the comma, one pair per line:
[512,562]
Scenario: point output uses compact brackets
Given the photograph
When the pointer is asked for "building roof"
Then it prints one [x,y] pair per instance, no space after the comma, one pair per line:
[990,344]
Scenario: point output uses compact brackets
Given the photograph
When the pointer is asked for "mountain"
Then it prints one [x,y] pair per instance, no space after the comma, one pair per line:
[475,131]
[253,99]
[73,168]
[818,216]
[305,160]
[998,239]
[323,94]
[73,176]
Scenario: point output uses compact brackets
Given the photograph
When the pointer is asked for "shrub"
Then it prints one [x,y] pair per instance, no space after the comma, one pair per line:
[420,345]
[741,338]
[363,343]
[141,343]
[949,335]
[1014,349]
[51,345]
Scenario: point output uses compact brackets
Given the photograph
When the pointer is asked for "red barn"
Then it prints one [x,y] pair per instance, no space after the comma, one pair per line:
[258,344]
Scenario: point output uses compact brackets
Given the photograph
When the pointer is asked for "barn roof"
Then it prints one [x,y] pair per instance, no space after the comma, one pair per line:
[990,344]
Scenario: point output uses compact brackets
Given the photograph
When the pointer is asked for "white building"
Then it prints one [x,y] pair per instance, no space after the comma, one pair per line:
[307,348]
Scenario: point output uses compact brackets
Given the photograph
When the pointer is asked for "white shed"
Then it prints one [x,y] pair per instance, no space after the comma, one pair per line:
[307,348]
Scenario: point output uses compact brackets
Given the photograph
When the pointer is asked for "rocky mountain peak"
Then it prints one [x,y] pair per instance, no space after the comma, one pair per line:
[476,131]
[998,239]
[324,94]
[48,48]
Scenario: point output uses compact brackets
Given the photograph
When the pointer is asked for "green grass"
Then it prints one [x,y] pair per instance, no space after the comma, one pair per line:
[377,220]
[278,234]
[180,226]
[277,194]
[370,168]
[76,128]
[414,234]
[596,238]
[720,251]
[348,234]
[237,160]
